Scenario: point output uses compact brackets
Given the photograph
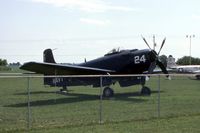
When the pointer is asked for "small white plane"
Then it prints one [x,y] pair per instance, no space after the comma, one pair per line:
[193,69]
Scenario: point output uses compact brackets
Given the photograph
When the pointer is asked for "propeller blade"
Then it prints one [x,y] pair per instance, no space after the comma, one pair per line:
[163,68]
[146,42]
[162,45]
[152,67]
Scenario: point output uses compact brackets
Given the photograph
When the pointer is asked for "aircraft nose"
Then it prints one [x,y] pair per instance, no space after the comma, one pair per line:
[153,55]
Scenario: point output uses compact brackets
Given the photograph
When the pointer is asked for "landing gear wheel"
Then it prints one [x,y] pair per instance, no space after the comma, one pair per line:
[108,92]
[145,91]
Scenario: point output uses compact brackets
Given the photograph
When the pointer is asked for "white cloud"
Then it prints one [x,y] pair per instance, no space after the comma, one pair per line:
[86,5]
[94,21]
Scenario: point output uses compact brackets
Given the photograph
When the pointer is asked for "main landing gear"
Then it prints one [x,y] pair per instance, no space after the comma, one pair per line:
[108,92]
[145,91]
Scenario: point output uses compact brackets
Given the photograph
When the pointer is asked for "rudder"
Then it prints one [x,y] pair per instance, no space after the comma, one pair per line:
[48,56]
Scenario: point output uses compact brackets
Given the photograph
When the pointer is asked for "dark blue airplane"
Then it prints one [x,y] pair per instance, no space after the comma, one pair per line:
[116,62]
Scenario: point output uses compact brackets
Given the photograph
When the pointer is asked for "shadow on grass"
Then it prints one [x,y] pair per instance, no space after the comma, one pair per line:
[36,92]
[39,92]
[194,78]
[76,97]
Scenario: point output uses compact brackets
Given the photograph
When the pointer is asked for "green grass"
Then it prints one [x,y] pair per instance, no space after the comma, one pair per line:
[4,69]
[11,70]
[183,124]
[79,111]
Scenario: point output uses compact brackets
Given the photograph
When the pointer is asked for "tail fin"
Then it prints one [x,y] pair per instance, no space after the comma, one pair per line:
[171,62]
[48,56]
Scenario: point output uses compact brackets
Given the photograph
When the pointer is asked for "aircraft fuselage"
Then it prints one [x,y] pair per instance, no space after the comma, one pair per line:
[125,62]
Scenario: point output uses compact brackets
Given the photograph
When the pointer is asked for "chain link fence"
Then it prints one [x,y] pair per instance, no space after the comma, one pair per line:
[28,104]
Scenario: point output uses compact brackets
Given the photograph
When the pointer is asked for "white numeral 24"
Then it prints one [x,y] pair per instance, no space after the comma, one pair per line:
[139,59]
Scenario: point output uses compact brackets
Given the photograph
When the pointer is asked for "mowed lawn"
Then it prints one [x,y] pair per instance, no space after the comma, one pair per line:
[79,111]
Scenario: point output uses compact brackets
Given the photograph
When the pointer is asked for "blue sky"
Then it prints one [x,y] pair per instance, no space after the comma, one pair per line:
[89,28]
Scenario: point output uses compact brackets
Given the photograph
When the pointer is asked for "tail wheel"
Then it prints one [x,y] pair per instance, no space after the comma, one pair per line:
[108,92]
[64,89]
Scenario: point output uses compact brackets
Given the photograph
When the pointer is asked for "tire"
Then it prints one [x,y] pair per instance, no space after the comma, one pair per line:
[145,91]
[108,92]
[198,77]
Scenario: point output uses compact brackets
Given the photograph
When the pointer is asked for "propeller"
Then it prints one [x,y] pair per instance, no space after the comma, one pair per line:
[162,45]
[146,42]
[152,67]
[156,60]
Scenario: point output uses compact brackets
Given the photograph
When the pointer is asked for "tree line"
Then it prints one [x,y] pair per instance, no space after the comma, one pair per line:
[3,62]
[185,60]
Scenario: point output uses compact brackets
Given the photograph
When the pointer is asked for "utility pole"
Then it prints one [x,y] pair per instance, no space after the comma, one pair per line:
[190,37]
[154,42]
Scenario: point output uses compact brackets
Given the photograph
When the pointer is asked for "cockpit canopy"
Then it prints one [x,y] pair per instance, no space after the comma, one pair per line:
[119,50]
[115,50]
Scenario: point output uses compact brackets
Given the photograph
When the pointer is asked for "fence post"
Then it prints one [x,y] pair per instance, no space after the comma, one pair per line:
[101,98]
[29,108]
[55,78]
[158,95]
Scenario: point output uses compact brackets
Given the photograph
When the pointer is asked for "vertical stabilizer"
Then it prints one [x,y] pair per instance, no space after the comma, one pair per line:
[171,62]
[48,56]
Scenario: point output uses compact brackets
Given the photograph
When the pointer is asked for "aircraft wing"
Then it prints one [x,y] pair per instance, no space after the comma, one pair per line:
[59,69]
[198,71]
[156,71]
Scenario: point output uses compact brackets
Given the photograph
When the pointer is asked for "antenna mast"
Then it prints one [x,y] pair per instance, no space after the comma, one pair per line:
[154,42]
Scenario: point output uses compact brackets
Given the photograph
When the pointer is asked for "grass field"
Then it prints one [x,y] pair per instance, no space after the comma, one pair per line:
[79,110]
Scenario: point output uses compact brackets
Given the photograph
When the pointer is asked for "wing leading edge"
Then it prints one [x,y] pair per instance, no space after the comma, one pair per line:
[59,69]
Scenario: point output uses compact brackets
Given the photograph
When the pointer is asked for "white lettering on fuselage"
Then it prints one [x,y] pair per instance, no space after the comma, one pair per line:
[139,59]
[57,80]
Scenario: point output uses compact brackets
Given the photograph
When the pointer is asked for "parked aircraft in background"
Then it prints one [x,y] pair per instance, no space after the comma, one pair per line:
[189,69]
[117,61]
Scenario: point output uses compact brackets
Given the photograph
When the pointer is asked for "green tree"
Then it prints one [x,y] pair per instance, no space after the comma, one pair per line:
[3,62]
[163,59]
[185,60]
